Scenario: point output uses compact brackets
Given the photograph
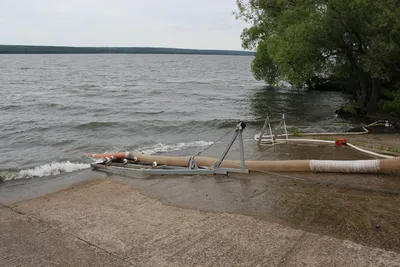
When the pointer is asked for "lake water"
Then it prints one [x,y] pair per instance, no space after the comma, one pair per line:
[55,107]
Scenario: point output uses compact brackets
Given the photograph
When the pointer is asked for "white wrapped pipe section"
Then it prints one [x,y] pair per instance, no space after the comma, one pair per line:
[351,166]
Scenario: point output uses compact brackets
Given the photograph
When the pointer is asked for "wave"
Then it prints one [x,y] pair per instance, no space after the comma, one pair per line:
[51,105]
[10,107]
[165,127]
[216,123]
[129,85]
[186,82]
[95,125]
[87,86]
[159,148]
[51,169]
[148,112]
[157,92]
[57,168]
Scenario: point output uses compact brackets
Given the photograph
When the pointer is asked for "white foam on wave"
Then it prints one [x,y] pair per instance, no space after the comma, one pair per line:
[51,169]
[157,148]
[57,168]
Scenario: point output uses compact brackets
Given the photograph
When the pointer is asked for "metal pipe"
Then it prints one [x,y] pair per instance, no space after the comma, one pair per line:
[241,150]
[262,131]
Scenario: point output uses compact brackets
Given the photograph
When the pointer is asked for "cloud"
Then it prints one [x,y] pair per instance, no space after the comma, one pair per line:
[163,23]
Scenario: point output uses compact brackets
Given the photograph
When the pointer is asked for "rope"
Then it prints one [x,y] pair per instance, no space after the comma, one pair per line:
[219,139]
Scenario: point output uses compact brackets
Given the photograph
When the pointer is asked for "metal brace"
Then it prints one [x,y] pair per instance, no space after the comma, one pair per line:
[192,169]
[239,132]
[192,163]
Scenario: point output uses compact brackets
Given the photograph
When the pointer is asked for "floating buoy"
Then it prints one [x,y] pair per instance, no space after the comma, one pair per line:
[341,142]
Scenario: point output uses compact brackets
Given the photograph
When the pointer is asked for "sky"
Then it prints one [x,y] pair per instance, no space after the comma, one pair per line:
[202,24]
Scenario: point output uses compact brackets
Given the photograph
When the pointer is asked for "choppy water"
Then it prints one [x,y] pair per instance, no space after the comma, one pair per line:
[54,107]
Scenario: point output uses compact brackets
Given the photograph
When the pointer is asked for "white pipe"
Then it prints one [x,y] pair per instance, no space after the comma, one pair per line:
[297,140]
[374,123]
[330,142]
[369,152]
[309,140]
[319,134]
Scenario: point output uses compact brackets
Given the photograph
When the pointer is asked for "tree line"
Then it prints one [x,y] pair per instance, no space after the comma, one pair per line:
[353,45]
[25,49]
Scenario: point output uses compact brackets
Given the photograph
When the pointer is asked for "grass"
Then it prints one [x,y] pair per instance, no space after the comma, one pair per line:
[390,149]
[296,132]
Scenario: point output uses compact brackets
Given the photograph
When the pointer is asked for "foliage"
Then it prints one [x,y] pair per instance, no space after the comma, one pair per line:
[262,66]
[303,41]
[391,103]
[352,108]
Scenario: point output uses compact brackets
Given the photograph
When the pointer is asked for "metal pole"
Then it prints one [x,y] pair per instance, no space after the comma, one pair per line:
[262,131]
[241,149]
[284,125]
[270,131]
[278,128]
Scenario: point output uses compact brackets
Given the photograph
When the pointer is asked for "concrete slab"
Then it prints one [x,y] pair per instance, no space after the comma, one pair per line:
[27,241]
[128,227]
[342,206]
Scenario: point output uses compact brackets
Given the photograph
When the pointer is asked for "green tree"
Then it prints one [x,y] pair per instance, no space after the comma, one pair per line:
[305,42]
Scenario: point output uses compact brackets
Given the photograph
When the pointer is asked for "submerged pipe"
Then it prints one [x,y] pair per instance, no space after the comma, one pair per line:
[340,166]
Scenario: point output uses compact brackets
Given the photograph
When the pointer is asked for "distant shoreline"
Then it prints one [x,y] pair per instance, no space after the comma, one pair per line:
[32,49]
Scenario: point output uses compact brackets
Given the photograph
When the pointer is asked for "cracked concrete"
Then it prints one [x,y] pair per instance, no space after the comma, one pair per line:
[105,223]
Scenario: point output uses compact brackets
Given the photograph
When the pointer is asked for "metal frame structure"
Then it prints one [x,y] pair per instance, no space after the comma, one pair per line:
[140,170]
[239,132]
[282,123]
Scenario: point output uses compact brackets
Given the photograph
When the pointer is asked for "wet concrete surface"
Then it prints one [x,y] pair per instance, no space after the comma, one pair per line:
[105,223]
[364,209]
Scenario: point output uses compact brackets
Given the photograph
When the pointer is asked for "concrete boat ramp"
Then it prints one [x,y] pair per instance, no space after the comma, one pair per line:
[236,220]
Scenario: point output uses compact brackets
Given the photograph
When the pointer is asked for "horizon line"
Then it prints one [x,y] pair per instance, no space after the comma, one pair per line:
[162,47]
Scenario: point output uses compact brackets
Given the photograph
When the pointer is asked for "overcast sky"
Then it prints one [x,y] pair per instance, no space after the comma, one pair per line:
[205,24]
